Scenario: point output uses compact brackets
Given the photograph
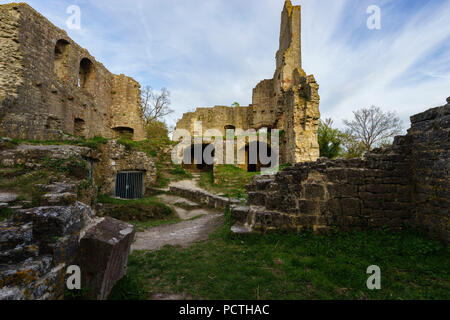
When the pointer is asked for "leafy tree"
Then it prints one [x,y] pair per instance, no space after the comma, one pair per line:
[330,139]
[352,147]
[373,127]
[157,130]
[236,104]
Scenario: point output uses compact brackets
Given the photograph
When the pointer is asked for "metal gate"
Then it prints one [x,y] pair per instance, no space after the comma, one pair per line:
[129,184]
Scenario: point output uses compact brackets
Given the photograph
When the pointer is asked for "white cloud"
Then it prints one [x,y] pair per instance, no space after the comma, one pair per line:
[213,52]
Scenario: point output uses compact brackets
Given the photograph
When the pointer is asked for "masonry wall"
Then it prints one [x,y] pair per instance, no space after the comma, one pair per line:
[288,102]
[54,86]
[405,184]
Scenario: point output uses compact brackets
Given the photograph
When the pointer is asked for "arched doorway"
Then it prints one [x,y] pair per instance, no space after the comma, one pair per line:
[124,132]
[253,156]
[199,157]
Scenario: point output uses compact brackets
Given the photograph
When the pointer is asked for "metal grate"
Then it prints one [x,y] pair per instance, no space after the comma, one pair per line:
[129,184]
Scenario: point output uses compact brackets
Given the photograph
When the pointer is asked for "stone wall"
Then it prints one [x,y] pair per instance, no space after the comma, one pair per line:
[113,158]
[288,102]
[38,244]
[404,184]
[49,85]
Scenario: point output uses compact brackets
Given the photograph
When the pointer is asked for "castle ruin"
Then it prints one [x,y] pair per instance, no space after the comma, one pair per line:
[50,86]
[288,102]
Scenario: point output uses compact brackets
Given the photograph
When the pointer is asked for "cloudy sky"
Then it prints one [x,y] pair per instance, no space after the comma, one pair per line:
[213,52]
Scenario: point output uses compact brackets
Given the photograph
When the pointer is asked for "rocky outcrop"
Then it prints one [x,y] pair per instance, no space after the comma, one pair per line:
[38,245]
[404,184]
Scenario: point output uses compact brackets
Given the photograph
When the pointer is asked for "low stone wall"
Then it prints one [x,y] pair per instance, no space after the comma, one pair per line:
[404,184]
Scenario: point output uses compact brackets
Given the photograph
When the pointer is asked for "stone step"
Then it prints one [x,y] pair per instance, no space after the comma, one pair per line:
[241,229]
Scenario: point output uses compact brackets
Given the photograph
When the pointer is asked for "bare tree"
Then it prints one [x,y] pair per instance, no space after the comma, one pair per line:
[372,127]
[155,105]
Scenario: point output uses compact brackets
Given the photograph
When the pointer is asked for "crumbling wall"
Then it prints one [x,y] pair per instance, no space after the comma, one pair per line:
[404,184]
[37,245]
[288,102]
[49,85]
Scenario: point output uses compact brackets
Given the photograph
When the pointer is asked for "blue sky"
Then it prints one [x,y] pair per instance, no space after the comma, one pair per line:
[213,52]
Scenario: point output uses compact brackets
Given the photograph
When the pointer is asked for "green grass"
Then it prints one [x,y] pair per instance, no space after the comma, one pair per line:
[93,143]
[230,181]
[143,213]
[293,266]
[5,214]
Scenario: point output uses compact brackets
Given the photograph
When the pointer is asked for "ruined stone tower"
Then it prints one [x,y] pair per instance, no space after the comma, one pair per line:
[50,86]
[288,102]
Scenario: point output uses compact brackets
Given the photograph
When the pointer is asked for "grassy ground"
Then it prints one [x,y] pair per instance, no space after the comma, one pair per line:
[230,181]
[143,213]
[288,266]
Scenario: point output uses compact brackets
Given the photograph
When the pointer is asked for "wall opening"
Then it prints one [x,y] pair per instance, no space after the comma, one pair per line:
[230,130]
[202,160]
[61,61]
[86,77]
[79,127]
[253,157]
[129,184]
[124,132]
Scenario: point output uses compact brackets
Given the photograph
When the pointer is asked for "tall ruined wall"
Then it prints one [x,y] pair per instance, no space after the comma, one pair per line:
[126,95]
[288,102]
[405,184]
[54,85]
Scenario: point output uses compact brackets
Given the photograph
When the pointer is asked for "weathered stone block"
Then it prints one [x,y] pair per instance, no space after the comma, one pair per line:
[104,254]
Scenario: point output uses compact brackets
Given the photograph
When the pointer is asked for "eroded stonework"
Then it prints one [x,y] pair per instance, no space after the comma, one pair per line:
[50,86]
[406,184]
[288,102]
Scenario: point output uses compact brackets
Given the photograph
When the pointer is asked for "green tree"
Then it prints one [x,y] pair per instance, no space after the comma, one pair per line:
[157,130]
[236,104]
[330,140]
[352,147]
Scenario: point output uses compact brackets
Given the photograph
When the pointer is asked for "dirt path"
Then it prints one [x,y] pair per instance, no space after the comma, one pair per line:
[183,234]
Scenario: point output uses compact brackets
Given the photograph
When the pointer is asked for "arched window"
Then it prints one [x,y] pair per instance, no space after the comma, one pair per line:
[86,79]
[79,127]
[124,132]
[61,61]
